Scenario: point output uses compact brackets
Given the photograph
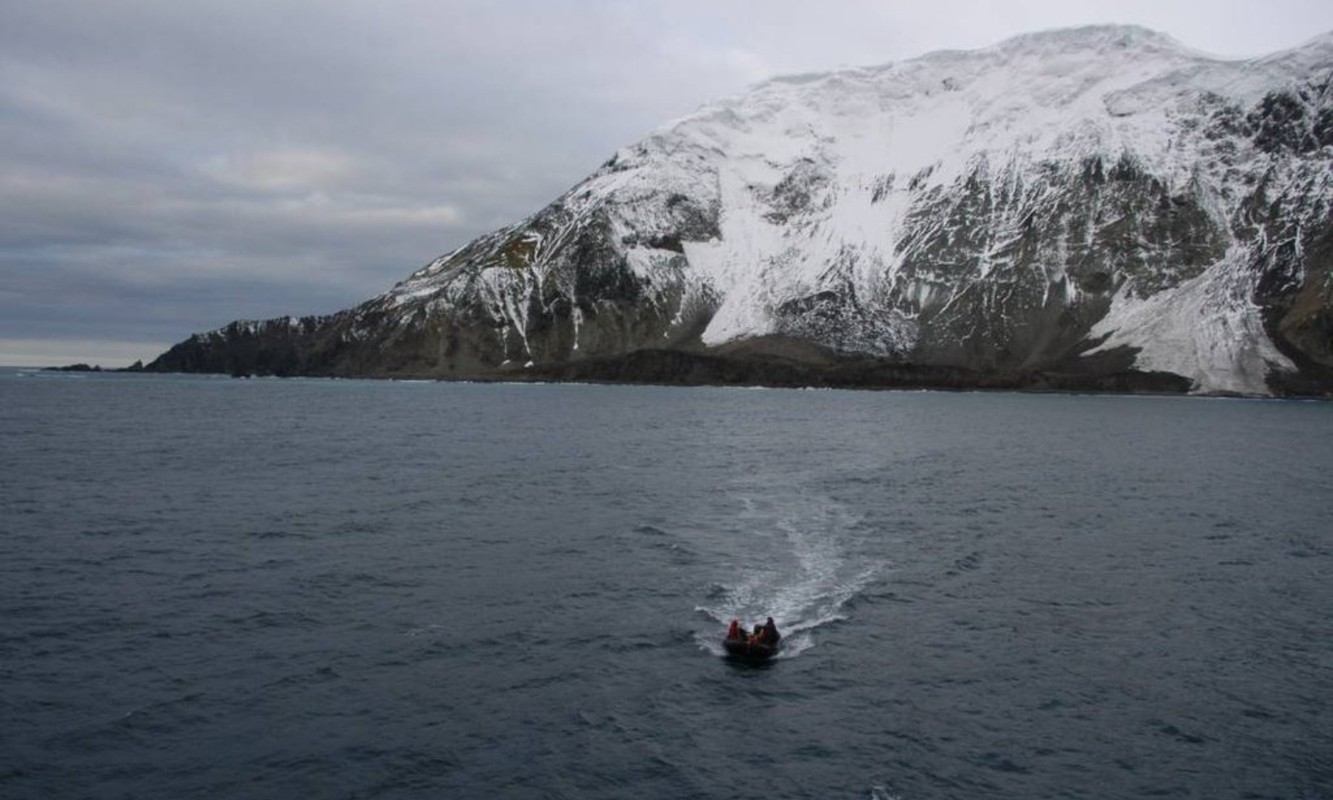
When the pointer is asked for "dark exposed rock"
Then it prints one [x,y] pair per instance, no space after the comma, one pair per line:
[675,367]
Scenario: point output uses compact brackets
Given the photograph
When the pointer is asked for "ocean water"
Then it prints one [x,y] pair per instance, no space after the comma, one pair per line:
[345,589]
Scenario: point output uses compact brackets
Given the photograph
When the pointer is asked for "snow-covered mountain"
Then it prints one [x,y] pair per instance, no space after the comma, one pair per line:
[1090,207]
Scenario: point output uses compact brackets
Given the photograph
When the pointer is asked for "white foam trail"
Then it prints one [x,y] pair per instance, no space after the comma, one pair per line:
[803,580]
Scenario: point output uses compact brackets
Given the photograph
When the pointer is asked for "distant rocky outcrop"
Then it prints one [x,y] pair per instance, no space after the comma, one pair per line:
[1097,208]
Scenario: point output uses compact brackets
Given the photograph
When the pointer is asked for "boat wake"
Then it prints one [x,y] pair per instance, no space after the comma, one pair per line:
[792,558]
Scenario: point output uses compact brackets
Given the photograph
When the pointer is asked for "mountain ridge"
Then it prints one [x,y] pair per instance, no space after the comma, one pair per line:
[1087,202]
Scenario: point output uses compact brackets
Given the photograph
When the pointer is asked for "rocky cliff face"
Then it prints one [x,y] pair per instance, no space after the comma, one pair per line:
[1096,207]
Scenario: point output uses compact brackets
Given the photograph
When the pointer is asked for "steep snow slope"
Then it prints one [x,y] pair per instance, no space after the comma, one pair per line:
[1100,192]
[865,146]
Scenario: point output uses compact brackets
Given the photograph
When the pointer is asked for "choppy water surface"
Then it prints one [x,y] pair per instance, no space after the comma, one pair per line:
[275,589]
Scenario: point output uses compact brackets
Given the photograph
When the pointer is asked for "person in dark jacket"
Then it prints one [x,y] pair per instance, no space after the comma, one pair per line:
[771,635]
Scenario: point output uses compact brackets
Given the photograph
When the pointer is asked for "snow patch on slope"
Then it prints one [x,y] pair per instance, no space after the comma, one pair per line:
[1207,329]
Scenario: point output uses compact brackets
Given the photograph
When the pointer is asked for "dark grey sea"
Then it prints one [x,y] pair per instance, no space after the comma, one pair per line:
[218,588]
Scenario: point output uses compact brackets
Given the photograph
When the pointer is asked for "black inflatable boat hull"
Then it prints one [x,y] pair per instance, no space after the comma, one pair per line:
[749,651]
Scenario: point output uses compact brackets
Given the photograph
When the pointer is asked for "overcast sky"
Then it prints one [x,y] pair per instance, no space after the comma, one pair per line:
[167,166]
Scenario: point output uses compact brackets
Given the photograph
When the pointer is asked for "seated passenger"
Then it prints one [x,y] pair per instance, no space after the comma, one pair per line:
[760,635]
[734,632]
[771,634]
